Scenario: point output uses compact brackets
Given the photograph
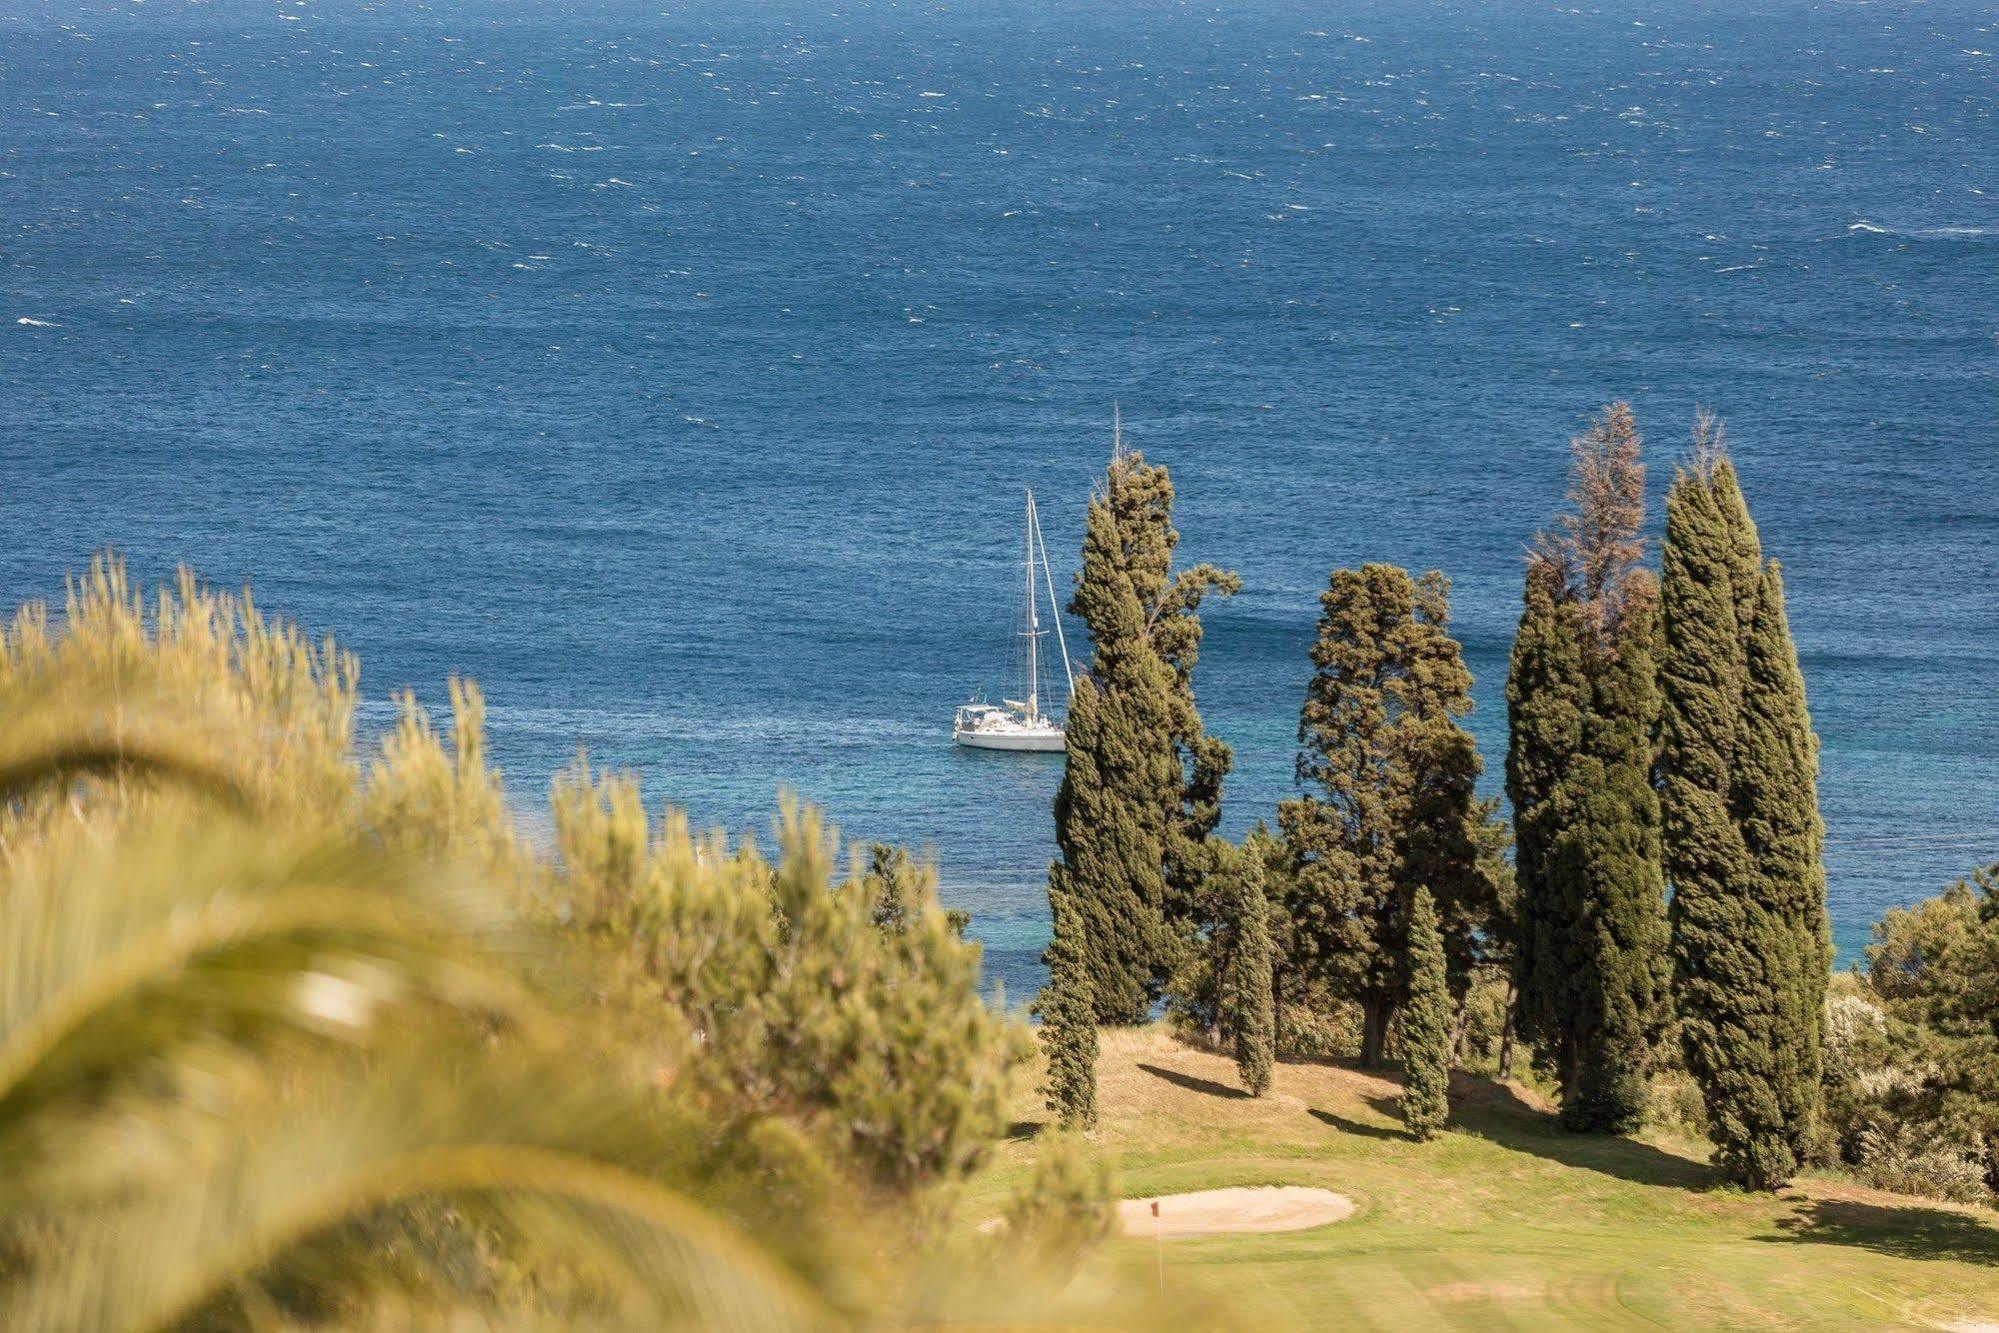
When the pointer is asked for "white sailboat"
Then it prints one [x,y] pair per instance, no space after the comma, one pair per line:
[1019,724]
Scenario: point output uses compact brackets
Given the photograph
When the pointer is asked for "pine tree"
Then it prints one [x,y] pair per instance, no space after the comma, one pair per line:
[1583,705]
[1247,1005]
[1379,736]
[1424,1026]
[1141,790]
[1069,1031]
[1742,835]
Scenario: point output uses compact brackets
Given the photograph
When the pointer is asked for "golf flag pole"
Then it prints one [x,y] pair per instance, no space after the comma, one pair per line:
[1159,1245]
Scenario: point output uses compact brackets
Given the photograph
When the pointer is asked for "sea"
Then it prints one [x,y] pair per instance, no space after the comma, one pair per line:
[677,370]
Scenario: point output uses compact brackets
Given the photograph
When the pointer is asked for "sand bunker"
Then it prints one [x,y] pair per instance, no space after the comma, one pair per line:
[1219,1212]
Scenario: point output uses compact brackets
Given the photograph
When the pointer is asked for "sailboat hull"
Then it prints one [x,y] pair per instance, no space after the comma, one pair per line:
[1037,741]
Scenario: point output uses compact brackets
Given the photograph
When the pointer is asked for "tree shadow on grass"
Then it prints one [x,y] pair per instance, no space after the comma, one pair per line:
[1346,1126]
[1025,1129]
[1906,1232]
[1496,1112]
[1194,1083]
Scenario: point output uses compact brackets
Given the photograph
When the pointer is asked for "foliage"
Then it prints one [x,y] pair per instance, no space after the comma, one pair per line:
[1424,1025]
[1547,695]
[130,690]
[1247,1011]
[802,1003]
[898,887]
[1742,835]
[1909,1158]
[1608,861]
[1912,1057]
[1936,964]
[445,802]
[1141,786]
[1380,738]
[1139,499]
[282,1048]
[158,968]
[1069,1031]
[1583,706]
[1488,1008]
[1110,882]
[1067,1205]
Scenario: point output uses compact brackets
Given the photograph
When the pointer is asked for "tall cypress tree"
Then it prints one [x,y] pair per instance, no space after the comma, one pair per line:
[1742,835]
[1546,695]
[1380,738]
[1424,1024]
[1138,498]
[1069,1032]
[1248,1009]
[1584,706]
[1611,859]
[1777,801]
[1109,882]
[1141,788]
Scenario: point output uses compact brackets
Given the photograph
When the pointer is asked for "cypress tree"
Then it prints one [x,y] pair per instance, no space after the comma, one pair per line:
[1424,1025]
[1742,836]
[1380,737]
[1138,501]
[1141,787]
[1546,694]
[1583,704]
[1777,798]
[1248,1006]
[1069,1030]
[1109,879]
[1610,855]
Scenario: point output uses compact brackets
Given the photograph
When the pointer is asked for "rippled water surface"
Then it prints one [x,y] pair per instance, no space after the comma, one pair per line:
[677,374]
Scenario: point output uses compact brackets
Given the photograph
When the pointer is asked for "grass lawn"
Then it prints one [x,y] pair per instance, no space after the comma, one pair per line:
[1506,1221]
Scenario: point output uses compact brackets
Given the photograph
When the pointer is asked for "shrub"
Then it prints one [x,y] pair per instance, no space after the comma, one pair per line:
[1908,1159]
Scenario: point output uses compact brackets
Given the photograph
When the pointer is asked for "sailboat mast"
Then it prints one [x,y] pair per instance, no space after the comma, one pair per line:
[1033,624]
[1054,607]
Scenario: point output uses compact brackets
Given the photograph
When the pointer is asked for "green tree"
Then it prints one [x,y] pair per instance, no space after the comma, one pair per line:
[1741,830]
[1380,738]
[1935,969]
[1248,1011]
[1609,858]
[1069,1032]
[1424,1025]
[1776,799]
[1546,697]
[1583,705]
[900,888]
[1141,788]
[1139,499]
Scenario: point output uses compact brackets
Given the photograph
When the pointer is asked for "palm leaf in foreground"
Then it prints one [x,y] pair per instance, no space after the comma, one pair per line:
[557,1160]
[118,948]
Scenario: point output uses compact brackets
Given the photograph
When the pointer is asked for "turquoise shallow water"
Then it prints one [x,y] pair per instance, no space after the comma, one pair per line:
[676,374]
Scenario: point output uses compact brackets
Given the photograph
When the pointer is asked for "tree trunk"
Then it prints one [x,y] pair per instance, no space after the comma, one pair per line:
[1506,1031]
[1276,1013]
[1218,1016]
[1374,1031]
[1458,1026]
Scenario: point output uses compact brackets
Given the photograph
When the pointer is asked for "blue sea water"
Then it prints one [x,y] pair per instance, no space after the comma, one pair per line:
[676,369]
